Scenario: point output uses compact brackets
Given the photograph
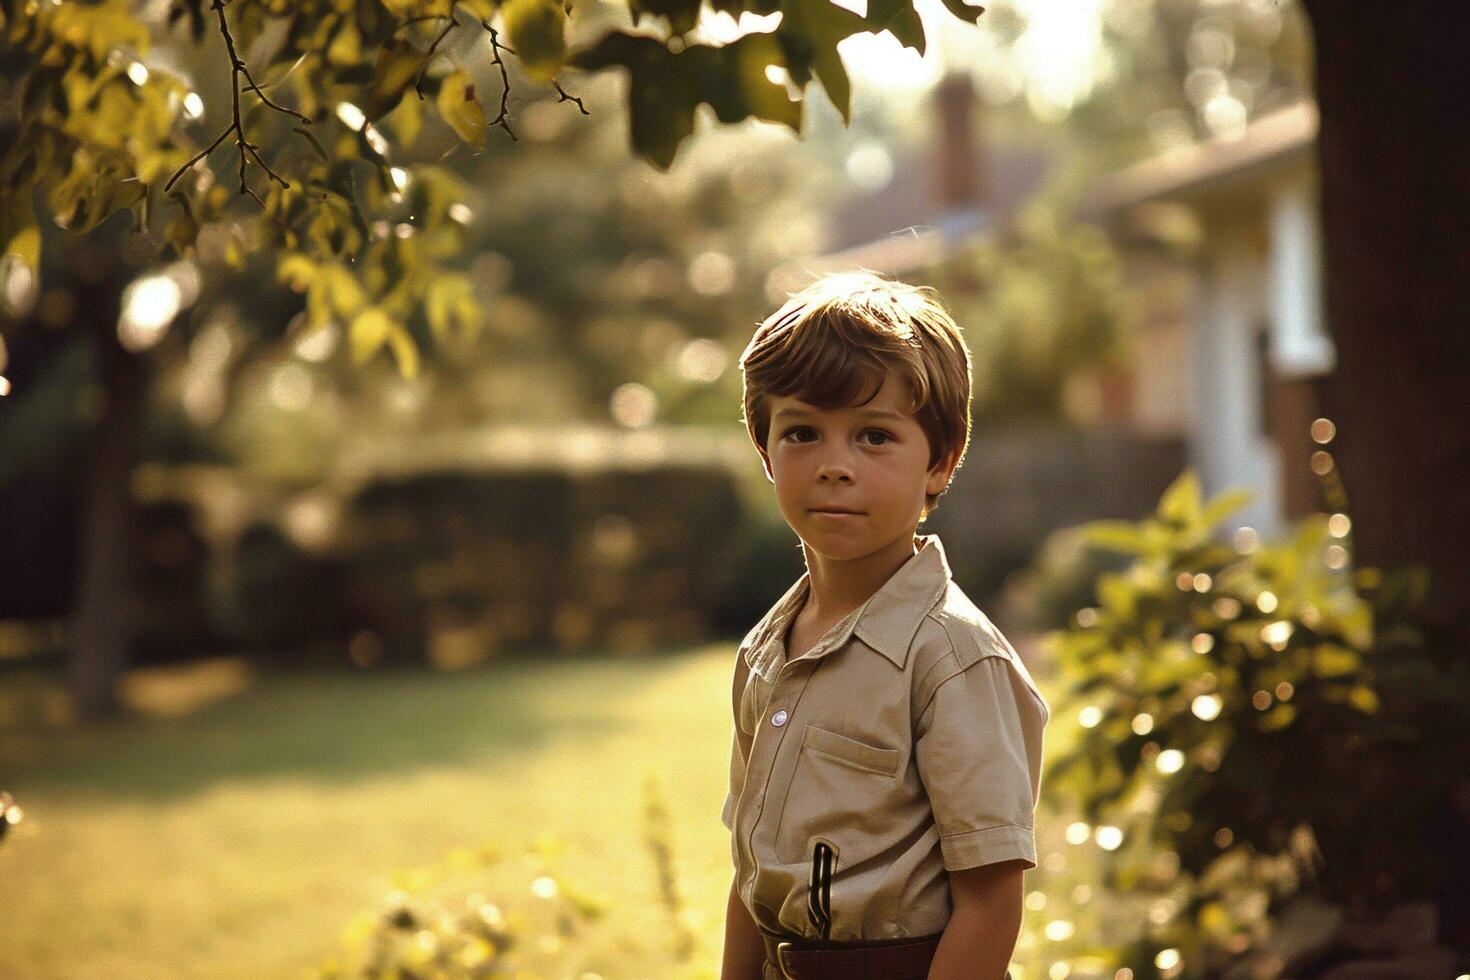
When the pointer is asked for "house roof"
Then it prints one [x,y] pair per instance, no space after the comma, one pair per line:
[896,253]
[1269,142]
[899,229]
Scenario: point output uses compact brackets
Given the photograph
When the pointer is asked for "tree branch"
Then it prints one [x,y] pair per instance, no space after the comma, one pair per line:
[247,150]
[569,98]
[418,83]
[495,45]
[503,119]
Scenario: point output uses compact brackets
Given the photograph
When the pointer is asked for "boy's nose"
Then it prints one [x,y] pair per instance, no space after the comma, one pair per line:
[834,463]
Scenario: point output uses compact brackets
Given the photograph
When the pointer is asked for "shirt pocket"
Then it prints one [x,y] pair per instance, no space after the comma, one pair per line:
[837,784]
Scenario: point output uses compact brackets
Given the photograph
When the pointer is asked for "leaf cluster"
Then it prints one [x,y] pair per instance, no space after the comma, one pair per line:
[1229,702]
[419,931]
[337,117]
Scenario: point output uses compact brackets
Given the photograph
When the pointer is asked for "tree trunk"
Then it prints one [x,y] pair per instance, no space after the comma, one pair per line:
[1395,168]
[1395,163]
[104,620]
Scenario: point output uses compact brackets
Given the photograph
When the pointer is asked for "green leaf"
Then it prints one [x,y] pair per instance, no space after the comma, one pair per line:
[1116,594]
[296,270]
[681,14]
[450,300]
[370,329]
[461,109]
[346,46]
[1364,698]
[1180,503]
[732,79]
[661,99]
[963,11]
[182,232]
[1280,716]
[810,31]
[1331,660]
[1356,624]
[398,65]
[1121,536]
[343,291]
[538,32]
[20,232]
[407,119]
[313,142]
[405,351]
[1224,503]
[665,87]
[899,18]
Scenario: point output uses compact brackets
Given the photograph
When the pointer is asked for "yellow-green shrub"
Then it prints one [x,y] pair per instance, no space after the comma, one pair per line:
[1255,719]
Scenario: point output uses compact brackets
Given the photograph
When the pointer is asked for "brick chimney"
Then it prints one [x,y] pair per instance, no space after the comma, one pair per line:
[959,156]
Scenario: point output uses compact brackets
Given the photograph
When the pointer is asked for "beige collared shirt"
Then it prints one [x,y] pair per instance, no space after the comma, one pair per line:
[908,739]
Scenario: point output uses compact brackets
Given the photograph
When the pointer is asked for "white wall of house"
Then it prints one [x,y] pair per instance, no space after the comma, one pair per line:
[1256,306]
[1261,271]
[1230,445]
[1300,346]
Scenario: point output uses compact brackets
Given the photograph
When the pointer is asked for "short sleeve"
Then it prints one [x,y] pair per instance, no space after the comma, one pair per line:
[737,750]
[978,751]
[737,782]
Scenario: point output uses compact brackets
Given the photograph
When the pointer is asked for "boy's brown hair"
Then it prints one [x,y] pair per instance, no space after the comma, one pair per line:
[840,335]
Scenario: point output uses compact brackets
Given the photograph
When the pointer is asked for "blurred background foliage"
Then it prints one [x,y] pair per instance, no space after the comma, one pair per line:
[1040,302]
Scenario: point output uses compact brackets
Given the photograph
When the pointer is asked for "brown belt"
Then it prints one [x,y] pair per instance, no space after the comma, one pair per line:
[806,959]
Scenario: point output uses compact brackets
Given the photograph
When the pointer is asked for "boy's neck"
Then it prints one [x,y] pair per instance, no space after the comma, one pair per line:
[836,587]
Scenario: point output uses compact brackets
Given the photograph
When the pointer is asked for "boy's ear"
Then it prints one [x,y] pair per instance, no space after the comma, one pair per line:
[942,473]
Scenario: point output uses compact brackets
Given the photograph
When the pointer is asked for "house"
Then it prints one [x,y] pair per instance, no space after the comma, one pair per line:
[1234,333]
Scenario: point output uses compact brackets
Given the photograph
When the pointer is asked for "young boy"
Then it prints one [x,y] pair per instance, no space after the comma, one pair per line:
[886,759]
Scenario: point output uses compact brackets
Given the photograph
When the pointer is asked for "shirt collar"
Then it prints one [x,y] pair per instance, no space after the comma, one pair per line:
[886,622]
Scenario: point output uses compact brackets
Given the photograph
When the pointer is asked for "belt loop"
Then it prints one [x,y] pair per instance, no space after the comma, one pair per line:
[781,949]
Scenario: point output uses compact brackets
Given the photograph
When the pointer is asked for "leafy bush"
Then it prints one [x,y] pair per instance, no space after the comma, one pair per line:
[1256,720]
[1061,578]
[417,933]
[518,560]
[428,927]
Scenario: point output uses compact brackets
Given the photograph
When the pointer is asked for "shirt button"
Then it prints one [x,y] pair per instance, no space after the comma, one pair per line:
[779,718]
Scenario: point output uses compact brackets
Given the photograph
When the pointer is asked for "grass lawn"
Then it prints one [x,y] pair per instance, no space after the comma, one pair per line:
[240,840]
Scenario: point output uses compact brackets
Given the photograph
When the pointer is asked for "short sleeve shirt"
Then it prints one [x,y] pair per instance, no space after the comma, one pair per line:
[908,739]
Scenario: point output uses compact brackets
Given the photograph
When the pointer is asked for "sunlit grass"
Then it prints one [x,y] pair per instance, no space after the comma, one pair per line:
[241,839]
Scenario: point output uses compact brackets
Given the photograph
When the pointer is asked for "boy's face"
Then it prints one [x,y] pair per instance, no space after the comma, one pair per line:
[871,460]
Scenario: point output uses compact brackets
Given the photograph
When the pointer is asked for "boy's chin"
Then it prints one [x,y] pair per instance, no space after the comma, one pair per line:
[843,545]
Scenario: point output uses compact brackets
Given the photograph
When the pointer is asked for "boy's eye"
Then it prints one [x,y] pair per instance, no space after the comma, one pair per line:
[883,437]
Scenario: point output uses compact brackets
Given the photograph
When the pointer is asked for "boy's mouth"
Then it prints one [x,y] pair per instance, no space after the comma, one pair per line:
[834,510]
